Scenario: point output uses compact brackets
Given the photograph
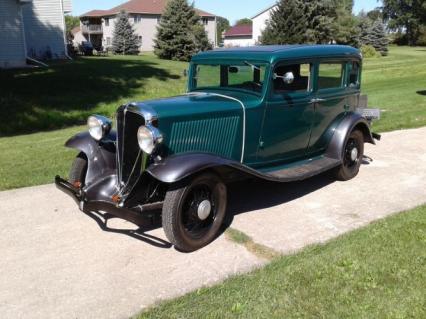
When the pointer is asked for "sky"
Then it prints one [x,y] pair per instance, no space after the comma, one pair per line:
[230,9]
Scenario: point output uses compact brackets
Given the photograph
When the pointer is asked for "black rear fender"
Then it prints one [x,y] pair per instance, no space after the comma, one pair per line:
[351,122]
[101,156]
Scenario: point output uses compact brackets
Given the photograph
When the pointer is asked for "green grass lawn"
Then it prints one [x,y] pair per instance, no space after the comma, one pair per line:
[375,272]
[64,95]
[397,85]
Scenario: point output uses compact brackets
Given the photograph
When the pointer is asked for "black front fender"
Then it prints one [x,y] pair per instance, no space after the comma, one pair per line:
[101,155]
[349,123]
[178,167]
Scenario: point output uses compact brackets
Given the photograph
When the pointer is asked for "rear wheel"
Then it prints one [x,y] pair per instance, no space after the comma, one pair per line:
[77,176]
[193,213]
[352,157]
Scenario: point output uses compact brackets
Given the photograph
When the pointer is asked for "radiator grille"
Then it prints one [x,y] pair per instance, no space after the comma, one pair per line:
[128,152]
[215,136]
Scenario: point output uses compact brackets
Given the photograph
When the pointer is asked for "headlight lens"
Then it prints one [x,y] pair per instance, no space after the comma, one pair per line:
[148,138]
[99,126]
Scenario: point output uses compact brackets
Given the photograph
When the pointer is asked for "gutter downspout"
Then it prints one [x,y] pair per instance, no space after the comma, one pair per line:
[25,40]
[65,31]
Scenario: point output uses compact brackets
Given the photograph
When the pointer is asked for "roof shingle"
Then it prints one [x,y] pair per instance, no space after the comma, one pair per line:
[240,30]
[139,6]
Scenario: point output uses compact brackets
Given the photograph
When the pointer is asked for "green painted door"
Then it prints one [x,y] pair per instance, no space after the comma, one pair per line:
[288,115]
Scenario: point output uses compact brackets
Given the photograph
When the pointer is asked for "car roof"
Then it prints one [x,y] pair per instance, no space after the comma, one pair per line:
[272,53]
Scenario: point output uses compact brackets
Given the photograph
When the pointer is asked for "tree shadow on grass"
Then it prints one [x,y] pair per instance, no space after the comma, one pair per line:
[66,93]
[423,92]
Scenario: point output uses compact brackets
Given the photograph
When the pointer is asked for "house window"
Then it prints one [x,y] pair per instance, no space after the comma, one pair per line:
[205,21]
[158,20]
[108,41]
[138,19]
[107,22]
[140,40]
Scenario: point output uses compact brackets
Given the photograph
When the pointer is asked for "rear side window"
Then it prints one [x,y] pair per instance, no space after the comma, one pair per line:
[354,69]
[330,76]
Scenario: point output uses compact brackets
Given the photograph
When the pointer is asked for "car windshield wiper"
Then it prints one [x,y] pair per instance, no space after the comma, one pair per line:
[252,65]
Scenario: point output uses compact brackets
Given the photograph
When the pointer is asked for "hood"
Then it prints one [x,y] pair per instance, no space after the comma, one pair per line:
[198,104]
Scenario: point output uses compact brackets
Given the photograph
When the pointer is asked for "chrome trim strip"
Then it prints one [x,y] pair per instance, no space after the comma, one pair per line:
[244,114]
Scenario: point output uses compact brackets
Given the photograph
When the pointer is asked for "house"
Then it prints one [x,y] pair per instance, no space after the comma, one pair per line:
[32,29]
[239,36]
[259,22]
[97,26]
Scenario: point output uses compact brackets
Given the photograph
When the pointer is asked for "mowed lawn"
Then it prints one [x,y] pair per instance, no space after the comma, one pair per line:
[375,272]
[55,99]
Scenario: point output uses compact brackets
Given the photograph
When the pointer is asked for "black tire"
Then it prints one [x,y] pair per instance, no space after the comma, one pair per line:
[181,212]
[78,171]
[351,163]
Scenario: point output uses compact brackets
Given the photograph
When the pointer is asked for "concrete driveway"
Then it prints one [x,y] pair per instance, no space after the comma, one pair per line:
[58,262]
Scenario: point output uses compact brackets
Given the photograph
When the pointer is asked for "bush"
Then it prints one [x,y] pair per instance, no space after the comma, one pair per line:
[368,51]
[422,37]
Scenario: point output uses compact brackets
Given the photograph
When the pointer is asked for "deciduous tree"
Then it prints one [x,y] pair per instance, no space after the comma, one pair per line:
[405,16]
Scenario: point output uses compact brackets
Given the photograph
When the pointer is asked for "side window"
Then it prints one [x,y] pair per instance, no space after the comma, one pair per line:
[354,72]
[330,75]
[301,82]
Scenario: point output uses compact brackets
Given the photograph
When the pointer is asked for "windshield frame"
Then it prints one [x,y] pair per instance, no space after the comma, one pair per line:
[194,64]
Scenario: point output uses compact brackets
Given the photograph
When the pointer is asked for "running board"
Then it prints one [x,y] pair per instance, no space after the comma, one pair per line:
[303,171]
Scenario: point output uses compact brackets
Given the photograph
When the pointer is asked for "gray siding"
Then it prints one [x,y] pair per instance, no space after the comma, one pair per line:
[44,28]
[12,52]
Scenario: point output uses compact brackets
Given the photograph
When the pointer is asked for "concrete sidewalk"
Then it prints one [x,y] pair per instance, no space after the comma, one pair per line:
[57,262]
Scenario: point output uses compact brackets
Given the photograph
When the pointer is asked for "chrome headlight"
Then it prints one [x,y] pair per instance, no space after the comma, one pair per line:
[148,138]
[99,126]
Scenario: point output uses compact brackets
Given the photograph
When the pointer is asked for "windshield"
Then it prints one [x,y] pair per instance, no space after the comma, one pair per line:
[243,75]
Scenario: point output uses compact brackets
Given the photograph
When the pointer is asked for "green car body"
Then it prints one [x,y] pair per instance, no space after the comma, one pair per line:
[281,113]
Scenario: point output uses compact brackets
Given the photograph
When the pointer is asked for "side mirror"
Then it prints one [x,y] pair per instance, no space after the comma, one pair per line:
[287,78]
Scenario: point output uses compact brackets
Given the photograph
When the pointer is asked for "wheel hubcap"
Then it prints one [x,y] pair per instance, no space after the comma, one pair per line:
[354,154]
[204,209]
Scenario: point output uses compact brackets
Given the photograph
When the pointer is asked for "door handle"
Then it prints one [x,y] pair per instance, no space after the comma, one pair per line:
[316,100]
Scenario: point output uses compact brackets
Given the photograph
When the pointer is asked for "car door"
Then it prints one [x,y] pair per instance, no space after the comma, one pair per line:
[330,102]
[288,115]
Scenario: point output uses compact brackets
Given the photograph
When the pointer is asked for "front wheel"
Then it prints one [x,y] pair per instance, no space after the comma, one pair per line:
[193,213]
[352,157]
[77,175]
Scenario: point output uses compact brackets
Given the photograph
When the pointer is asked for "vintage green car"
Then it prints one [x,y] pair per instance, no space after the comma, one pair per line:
[279,113]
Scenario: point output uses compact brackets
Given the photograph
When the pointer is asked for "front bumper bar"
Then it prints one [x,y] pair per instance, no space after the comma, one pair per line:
[139,216]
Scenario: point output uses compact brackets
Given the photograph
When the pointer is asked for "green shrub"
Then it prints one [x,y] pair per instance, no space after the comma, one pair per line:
[422,37]
[368,51]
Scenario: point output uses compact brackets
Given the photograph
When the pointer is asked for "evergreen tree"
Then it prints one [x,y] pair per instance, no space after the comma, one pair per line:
[180,33]
[200,38]
[296,21]
[378,38]
[346,26]
[322,14]
[124,41]
[288,24]
[365,25]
